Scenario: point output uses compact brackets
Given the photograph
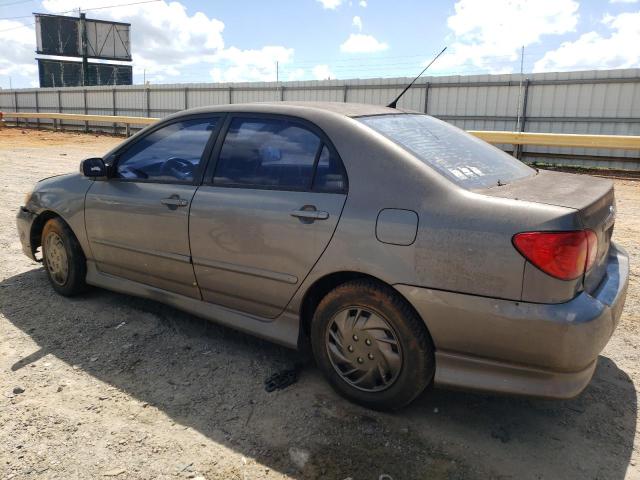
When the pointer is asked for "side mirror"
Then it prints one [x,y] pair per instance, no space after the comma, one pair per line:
[93,168]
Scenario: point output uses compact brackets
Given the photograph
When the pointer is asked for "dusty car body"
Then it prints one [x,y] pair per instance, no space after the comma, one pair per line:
[262,258]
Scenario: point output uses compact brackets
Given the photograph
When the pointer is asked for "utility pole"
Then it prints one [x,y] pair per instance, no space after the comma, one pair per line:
[10,84]
[517,150]
[144,76]
[277,72]
[520,88]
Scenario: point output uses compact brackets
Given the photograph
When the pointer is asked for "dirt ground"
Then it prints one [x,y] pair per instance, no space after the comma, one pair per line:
[118,387]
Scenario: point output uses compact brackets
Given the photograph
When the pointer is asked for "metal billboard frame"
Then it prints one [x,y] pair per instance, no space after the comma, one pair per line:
[117,35]
[66,36]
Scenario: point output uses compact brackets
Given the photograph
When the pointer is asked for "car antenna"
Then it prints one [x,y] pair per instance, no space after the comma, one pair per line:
[393,104]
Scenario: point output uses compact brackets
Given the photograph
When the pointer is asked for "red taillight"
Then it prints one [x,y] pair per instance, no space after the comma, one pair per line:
[564,255]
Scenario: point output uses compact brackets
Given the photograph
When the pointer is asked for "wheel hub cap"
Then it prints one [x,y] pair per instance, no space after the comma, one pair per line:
[56,258]
[364,349]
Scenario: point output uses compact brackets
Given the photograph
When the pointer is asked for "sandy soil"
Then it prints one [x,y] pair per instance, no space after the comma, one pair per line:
[118,387]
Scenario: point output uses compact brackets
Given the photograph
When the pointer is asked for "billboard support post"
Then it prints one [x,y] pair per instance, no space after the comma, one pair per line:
[83,45]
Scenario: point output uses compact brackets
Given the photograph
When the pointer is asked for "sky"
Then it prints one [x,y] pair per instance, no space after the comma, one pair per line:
[230,41]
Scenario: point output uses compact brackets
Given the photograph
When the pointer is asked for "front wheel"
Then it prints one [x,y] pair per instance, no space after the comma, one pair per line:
[371,345]
[63,258]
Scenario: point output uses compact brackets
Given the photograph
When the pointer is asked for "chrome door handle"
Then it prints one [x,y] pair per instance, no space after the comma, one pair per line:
[174,201]
[310,214]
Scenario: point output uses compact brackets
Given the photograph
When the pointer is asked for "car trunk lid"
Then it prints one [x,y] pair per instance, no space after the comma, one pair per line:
[592,197]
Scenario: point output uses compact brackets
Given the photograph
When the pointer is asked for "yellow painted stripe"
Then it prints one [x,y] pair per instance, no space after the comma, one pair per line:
[622,142]
[82,118]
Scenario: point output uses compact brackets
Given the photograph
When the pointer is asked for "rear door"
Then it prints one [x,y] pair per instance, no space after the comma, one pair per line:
[138,221]
[267,212]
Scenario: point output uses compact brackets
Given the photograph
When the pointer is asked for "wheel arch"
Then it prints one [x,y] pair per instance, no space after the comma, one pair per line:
[321,287]
[35,235]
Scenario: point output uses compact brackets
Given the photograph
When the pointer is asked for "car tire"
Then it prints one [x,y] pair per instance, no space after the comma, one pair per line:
[365,326]
[63,258]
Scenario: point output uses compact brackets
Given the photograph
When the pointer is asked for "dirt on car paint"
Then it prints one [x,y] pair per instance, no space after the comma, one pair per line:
[110,386]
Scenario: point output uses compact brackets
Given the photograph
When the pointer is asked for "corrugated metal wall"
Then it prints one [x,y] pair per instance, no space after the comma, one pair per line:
[596,102]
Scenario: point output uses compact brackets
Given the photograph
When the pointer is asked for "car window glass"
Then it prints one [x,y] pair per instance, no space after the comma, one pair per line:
[330,175]
[463,158]
[267,153]
[171,153]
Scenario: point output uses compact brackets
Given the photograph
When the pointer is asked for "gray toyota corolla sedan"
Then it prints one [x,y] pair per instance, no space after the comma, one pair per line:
[398,249]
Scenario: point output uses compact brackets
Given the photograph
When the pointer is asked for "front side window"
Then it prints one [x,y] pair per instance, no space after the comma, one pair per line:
[172,153]
[268,153]
[461,157]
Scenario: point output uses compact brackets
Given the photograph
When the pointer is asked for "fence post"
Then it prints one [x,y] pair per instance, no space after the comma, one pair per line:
[15,106]
[525,97]
[148,100]
[426,97]
[37,109]
[115,110]
[344,93]
[86,109]
[282,93]
[60,108]
[230,95]
[186,98]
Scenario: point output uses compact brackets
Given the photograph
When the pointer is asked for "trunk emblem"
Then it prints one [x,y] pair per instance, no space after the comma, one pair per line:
[611,217]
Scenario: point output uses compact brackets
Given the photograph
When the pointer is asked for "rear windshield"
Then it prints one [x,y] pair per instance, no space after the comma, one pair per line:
[463,158]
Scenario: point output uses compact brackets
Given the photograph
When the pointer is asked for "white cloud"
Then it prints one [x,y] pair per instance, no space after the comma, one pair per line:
[295,74]
[330,4]
[357,22]
[363,3]
[321,72]
[488,34]
[161,33]
[249,65]
[167,40]
[623,1]
[17,46]
[621,49]
[359,43]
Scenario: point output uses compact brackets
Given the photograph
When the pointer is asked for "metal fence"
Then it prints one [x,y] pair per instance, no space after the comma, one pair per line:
[586,102]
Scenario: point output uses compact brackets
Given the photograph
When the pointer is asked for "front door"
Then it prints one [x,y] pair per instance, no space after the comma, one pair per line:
[138,220]
[258,227]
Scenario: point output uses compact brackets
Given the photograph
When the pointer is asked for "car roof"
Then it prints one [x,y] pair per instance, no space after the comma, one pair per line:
[298,108]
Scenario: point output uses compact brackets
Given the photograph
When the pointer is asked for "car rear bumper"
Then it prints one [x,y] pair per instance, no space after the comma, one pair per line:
[24,220]
[547,350]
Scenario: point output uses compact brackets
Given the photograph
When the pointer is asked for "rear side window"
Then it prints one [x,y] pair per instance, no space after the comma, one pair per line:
[461,157]
[265,152]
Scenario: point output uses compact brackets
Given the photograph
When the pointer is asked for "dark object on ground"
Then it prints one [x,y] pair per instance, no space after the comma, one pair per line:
[282,379]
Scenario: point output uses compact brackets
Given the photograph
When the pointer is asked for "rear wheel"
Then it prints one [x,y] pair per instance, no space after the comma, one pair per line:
[371,345]
[63,258]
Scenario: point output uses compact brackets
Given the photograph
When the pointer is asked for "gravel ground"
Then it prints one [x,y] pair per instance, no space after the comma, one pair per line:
[110,386]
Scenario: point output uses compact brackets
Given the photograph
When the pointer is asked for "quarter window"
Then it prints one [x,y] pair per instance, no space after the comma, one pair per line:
[269,153]
[172,153]
[330,175]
